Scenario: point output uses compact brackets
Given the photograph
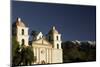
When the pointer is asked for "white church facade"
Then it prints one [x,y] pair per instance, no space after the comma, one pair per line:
[47,49]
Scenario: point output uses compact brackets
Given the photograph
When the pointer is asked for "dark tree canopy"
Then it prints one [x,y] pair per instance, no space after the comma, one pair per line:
[21,55]
[74,52]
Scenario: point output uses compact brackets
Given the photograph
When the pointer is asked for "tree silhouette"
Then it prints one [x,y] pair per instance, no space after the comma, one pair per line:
[16,57]
[33,34]
[74,52]
[27,55]
[21,55]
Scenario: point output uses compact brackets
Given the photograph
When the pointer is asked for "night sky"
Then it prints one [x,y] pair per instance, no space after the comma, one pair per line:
[74,22]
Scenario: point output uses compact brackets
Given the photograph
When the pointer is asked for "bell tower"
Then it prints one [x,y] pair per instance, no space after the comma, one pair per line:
[55,38]
[21,32]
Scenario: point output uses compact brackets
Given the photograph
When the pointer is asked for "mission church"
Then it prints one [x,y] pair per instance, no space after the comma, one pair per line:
[47,49]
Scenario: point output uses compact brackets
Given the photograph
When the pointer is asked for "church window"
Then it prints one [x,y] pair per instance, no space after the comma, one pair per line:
[57,46]
[57,37]
[22,31]
[23,42]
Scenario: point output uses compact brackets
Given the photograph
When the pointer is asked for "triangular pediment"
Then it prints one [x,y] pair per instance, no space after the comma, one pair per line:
[42,42]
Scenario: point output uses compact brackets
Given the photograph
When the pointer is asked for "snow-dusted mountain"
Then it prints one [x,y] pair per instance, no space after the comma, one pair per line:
[80,42]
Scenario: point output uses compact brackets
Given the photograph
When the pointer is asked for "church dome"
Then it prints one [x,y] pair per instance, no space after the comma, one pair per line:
[53,30]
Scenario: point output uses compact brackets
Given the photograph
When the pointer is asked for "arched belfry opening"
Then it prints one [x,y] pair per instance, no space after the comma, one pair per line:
[57,46]
[57,37]
[23,42]
[22,31]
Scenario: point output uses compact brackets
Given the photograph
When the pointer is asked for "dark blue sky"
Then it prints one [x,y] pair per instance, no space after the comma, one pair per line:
[74,22]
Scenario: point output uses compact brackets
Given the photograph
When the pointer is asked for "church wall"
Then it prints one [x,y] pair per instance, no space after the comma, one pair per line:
[39,42]
[19,30]
[37,55]
[50,56]
[42,42]
[55,42]
[41,45]
[55,37]
[42,54]
[20,36]
[47,55]
[57,56]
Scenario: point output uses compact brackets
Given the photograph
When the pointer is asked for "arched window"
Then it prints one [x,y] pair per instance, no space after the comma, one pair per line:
[57,37]
[22,31]
[57,46]
[23,42]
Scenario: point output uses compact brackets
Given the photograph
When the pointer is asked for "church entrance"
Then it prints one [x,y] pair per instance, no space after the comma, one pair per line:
[43,62]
